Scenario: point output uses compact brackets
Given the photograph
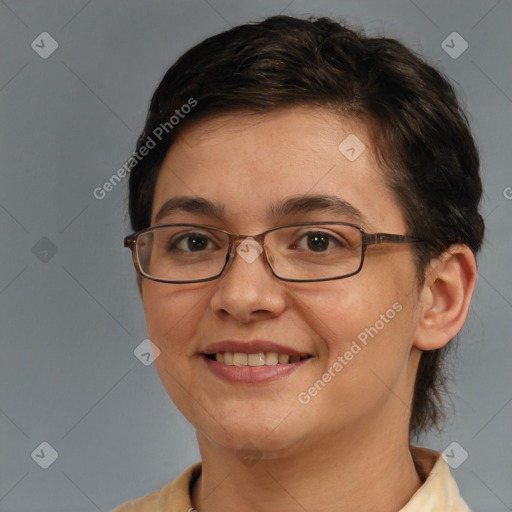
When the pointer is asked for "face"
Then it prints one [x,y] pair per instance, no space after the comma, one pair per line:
[355,335]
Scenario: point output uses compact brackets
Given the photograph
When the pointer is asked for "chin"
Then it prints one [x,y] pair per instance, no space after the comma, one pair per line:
[241,440]
[274,432]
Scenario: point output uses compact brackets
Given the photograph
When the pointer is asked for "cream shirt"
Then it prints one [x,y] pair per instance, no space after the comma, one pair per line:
[438,493]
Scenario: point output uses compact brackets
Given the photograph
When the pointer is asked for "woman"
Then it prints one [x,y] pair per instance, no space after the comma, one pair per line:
[277,158]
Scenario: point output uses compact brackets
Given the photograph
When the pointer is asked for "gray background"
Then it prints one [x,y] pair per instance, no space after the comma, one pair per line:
[70,320]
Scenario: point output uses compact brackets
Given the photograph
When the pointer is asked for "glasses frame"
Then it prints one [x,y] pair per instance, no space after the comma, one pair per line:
[130,242]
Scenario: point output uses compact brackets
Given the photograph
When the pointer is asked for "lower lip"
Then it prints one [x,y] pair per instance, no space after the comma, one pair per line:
[252,374]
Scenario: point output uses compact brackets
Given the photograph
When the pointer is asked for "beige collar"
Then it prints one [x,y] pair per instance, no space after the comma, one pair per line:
[438,493]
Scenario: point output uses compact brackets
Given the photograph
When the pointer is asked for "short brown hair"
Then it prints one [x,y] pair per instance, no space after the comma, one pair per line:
[420,133]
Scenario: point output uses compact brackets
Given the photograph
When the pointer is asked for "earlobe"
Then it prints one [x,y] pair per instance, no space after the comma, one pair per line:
[445,297]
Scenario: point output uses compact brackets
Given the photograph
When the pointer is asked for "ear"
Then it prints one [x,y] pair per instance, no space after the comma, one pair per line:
[445,297]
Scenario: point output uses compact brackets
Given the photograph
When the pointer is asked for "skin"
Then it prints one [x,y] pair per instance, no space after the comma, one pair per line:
[348,448]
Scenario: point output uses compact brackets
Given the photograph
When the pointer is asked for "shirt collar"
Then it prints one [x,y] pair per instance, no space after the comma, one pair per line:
[438,492]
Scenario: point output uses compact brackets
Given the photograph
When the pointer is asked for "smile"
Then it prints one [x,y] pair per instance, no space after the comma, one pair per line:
[255,359]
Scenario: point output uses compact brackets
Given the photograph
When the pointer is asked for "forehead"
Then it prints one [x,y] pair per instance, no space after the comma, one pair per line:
[251,163]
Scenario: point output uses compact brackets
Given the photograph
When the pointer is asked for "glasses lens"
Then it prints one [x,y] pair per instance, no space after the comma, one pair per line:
[322,251]
[182,253]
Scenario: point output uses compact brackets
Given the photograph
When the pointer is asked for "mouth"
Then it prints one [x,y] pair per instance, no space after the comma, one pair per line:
[256,358]
[255,361]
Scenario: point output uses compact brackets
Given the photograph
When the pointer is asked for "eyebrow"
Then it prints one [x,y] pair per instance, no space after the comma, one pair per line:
[316,202]
[291,206]
[194,205]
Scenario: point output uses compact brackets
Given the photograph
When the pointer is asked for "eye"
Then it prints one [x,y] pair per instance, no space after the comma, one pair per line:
[319,241]
[191,242]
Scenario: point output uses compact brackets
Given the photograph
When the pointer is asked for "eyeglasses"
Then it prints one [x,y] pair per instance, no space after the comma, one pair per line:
[301,252]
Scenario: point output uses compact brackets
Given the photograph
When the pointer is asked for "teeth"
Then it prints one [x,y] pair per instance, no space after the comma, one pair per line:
[271,358]
[239,359]
[283,358]
[256,359]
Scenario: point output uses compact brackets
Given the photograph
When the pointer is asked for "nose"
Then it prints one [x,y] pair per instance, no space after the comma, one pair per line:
[248,290]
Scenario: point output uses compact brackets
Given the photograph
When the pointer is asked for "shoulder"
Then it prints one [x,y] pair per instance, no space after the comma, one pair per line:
[145,504]
[173,496]
[148,503]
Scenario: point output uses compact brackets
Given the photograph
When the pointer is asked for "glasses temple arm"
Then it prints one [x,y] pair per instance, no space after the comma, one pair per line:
[387,238]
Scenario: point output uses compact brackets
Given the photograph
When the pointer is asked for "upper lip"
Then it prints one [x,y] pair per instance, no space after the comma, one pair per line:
[250,347]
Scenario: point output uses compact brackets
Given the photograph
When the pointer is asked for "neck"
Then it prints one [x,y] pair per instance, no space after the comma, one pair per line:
[377,474]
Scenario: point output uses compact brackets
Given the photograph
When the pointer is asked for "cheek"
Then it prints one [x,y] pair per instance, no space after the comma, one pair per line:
[365,323]
[171,316]
[366,338]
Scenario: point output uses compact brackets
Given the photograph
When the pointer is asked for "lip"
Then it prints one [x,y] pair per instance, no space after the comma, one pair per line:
[251,374]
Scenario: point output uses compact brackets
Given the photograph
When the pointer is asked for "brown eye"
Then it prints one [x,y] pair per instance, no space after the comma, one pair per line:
[191,242]
[318,242]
